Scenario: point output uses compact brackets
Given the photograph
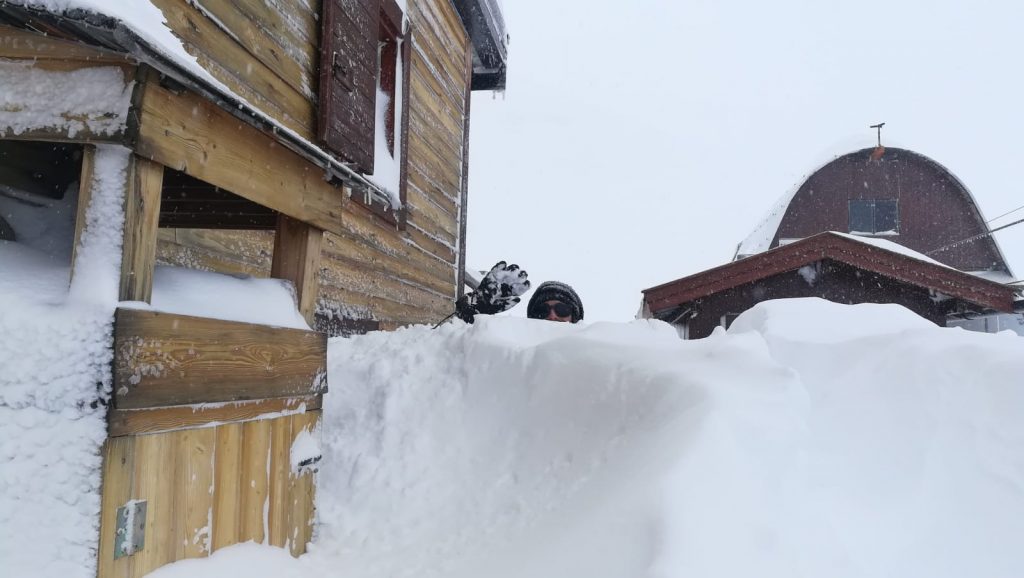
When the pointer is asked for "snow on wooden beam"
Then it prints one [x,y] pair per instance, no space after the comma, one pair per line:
[54,90]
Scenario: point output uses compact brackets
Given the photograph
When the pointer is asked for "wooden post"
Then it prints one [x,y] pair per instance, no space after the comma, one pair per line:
[297,259]
[84,197]
[141,219]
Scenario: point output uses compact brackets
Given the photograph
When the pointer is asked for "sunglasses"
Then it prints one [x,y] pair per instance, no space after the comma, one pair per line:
[541,310]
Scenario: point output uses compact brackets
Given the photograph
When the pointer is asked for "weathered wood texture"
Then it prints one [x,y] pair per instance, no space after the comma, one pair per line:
[233,252]
[236,42]
[122,422]
[297,259]
[18,43]
[207,488]
[348,79]
[371,269]
[141,216]
[162,359]
[85,183]
[194,136]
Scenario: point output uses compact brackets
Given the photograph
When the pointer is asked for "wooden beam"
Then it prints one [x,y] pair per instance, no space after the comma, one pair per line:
[227,484]
[122,422]
[141,220]
[163,359]
[84,198]
[188,133]
[297,259]
[460,273]
[18,43]
[118,476]
[54,119]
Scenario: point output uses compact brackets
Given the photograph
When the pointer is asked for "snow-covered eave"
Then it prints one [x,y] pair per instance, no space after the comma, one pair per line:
[882,257]
[485,26]
[110,32]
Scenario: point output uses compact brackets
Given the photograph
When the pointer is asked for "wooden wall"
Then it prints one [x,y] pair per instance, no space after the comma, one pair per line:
[371,269]
[207,488]
[935,209]
[201,425]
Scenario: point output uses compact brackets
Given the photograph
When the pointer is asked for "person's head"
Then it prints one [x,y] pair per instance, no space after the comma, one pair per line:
[555,301]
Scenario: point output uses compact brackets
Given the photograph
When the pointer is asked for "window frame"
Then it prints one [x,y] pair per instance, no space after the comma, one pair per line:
[390,30]
[872,205]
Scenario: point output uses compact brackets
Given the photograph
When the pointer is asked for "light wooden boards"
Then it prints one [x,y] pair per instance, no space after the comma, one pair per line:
[162,359]
[207,488]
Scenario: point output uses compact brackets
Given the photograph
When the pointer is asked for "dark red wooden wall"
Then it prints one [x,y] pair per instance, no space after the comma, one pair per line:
[935,209]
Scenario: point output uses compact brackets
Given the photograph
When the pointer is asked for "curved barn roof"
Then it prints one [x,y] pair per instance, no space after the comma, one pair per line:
[839,180]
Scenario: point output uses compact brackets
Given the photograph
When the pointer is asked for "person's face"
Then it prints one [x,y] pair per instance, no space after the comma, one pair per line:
[555,307]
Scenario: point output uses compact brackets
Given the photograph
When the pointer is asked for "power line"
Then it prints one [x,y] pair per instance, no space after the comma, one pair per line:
[1004,214]
[974,238]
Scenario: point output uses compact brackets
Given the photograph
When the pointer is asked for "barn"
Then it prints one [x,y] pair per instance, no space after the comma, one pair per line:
[877,225]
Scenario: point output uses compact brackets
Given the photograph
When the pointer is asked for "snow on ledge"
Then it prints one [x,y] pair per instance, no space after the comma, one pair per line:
[146,20]
[88,99]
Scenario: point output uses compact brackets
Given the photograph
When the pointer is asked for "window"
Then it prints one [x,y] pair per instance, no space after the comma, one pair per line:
[727,319]
[363,79]
[874,217]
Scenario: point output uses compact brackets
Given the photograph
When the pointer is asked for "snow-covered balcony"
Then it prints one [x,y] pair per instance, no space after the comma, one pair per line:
[186,400]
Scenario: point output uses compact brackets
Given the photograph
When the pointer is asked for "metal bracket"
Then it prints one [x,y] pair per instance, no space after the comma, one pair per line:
[131,529]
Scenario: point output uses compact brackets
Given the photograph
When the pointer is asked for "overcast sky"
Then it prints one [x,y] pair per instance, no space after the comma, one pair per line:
[639,142]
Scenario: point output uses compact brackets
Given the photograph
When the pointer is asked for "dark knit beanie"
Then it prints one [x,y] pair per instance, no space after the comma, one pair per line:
[556,291]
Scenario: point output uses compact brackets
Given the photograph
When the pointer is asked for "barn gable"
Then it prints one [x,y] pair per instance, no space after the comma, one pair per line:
[892,193]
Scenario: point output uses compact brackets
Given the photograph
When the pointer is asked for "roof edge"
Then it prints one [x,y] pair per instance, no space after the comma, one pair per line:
[486,28]
[841,248]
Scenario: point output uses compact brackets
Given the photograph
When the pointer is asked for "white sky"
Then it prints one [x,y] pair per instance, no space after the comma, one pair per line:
[639,142]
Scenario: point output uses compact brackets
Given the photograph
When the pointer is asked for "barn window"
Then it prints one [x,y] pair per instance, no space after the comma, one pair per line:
[875,217]
[363,80]
[727,319]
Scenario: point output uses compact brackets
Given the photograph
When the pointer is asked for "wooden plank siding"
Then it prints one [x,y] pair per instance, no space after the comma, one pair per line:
[243,59]
[206,487]
[163,359]
[409,276]
[370,269]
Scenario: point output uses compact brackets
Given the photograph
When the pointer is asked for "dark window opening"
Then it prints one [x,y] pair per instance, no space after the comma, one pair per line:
[39,195]
[187,202]
[727,319]
[875,217]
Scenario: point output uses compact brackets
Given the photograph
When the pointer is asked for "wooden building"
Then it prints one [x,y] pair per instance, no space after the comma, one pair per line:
[323,143]
[890,193]
[837,267]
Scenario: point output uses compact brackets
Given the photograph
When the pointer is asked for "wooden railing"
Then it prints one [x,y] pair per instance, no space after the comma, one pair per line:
[204,415]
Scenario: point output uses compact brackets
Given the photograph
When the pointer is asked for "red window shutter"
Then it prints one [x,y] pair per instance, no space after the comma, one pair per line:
[348,80]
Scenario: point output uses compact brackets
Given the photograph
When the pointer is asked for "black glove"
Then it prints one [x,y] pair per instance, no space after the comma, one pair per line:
[498,291]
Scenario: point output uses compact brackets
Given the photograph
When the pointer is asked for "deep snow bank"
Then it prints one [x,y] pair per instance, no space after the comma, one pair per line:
[55,376]
[813,439]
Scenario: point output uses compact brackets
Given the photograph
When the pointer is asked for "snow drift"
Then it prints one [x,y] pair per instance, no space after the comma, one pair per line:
[812,439]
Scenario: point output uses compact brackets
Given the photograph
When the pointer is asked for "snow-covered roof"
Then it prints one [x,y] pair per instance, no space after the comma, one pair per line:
[760,239]
[870,254]
[892,247]
[139,28]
